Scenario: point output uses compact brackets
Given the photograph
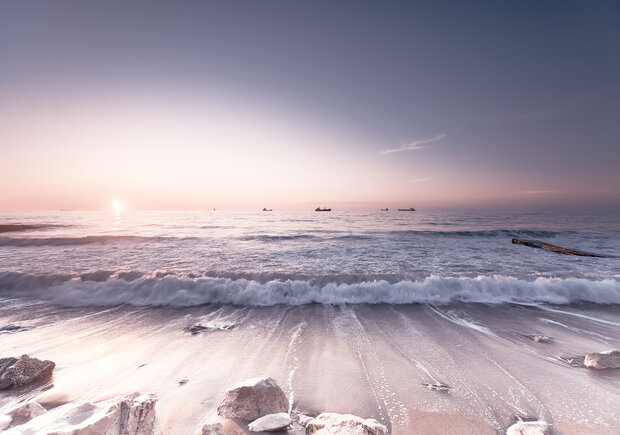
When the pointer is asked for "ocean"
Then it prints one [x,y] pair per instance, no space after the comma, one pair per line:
[427,321]
[187,258]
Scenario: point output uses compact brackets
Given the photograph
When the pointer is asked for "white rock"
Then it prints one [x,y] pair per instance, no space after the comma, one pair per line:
[213,429]
[252,399]
[344,424]
[133,414]
[271,422]
[138,413]
[5,421]
[603,360]
[529,428]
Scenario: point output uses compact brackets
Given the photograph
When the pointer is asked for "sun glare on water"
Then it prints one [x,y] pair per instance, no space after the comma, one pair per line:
[117,205]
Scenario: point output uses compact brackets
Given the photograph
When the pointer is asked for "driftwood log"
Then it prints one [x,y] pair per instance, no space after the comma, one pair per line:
[548,247]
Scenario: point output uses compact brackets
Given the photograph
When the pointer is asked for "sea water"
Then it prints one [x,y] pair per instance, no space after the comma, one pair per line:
[188,258]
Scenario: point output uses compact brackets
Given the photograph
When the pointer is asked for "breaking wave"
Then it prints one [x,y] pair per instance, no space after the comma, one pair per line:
[103,288]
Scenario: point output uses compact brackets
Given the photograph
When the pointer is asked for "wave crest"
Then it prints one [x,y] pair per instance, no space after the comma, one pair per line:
[169,290]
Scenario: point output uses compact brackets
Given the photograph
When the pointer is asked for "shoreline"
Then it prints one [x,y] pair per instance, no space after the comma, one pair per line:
[374,361]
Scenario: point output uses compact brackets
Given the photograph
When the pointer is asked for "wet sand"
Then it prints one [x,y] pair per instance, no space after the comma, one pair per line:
[377,361]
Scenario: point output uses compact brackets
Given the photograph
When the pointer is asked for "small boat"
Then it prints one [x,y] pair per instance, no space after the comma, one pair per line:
[406,209]
[385,209]
[322,209]
[267,209]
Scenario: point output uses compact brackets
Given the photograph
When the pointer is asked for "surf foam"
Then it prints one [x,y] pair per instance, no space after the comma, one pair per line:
[161,290]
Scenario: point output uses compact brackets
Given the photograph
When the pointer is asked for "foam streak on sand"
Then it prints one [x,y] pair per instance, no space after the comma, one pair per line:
[368,360]
[291,353]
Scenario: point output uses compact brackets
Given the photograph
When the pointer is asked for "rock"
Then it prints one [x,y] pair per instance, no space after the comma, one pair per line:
[5,421]
[252,399]
[271,422]
[344,424]
[138,413]
[26,412]
[24,371]
[529,428]
[213,429]
[603,360]
[133,414]
[5,363]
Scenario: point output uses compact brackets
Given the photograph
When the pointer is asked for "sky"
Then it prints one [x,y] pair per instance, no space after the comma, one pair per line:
[291,105]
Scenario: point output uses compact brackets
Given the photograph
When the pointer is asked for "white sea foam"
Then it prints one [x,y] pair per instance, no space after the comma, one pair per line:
[180,291]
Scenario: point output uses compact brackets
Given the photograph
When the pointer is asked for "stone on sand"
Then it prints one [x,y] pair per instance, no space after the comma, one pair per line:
[21,414]
[271,422]
[24,370]
[529,428]
[27,412]
[132,414]
[213,429]
[252,399]
[603,360]
[5,421]
[329,423]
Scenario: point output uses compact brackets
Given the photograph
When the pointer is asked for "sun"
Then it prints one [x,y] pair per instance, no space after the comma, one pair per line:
[117,205]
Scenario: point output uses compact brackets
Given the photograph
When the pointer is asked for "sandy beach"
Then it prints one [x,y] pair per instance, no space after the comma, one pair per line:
[379,361]
[318,218]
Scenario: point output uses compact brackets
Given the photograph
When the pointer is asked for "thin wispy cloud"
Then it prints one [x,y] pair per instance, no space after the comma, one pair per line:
[537,192]
[415,145]
[419,180]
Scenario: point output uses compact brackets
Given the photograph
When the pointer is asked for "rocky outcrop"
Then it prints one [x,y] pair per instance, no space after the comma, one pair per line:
[344,424]
[15,372]
[603,360]
[252,399]
[213,429]
[271,422]
[529,428]
[133,414]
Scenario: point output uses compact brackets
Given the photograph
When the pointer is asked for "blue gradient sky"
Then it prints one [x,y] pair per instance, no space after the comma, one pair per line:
[198,104]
